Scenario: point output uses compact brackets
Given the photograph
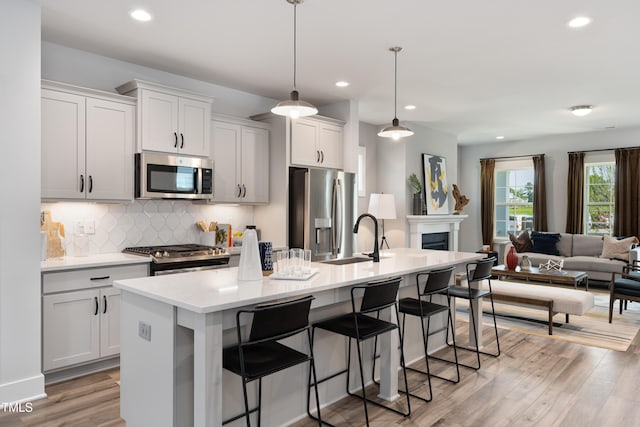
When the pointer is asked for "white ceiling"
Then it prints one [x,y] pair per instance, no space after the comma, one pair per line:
[476,69]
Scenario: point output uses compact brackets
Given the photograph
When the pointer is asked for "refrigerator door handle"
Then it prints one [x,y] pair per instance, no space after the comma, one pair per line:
[336,216]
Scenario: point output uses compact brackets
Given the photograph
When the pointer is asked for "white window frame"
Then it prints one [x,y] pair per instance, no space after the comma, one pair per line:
[588,203]
[501,166]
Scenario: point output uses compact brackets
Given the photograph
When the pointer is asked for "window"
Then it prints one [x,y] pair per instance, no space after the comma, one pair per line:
[599,198]
[514,198]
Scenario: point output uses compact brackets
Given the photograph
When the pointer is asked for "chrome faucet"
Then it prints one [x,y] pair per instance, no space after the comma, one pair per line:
[376,253]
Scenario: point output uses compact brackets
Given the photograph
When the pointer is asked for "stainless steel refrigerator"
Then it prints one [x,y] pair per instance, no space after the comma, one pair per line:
[322,212]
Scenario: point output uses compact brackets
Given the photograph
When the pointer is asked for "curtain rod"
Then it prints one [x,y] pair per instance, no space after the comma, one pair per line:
[513,157]
[602,149]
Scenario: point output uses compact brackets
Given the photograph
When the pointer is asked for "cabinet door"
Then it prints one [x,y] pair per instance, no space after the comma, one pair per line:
[110,135]
[304,150]
[159,121]
[194,127]
[109,321]
[255,165]
[63,145]
[330,144]
[225,149]
[70,328]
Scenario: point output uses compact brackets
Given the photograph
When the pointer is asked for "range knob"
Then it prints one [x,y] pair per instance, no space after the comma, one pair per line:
[165,253]
[158,254]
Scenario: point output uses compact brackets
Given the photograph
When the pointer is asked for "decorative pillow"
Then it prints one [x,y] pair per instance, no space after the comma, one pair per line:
[617,248]
[522,243]
[545,243]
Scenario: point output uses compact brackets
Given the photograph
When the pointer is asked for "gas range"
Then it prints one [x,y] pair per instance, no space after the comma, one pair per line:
[181,258]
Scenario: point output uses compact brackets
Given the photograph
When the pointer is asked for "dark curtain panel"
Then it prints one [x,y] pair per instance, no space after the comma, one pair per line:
[539,195]
[625,221]
[487,198]
[575,196]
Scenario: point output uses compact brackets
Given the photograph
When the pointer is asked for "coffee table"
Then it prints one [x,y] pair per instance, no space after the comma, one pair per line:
[564,277]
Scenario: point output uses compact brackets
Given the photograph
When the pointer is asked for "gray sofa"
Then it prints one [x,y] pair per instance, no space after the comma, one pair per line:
[580,253]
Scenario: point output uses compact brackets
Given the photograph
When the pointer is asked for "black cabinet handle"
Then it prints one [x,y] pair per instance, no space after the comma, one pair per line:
[105,304]
[239,190]
[96,300]
[90,183]
[322,156]
[244,191]
[100,278]
[317,156]
[182,138]
[175,144]
[82,183]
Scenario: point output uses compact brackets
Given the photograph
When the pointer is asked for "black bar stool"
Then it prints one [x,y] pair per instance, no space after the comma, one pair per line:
[476,271]
[261,354]
[361,325]
[437,281]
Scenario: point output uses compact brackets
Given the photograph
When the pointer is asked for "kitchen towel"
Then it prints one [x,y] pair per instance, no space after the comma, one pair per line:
[266,257]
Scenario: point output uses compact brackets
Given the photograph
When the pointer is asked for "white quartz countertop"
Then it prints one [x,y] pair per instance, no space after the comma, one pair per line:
[216,290]
[97,260]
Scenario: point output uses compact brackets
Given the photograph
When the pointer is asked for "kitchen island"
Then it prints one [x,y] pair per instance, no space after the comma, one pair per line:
[174,327]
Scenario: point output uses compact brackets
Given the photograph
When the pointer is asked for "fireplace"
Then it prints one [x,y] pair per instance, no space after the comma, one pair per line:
[438,241]
[442,225]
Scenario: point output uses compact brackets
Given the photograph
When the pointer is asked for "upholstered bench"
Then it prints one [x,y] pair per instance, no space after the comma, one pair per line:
[554,300]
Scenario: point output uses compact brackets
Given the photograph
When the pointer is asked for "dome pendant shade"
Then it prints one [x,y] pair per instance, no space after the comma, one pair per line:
[294,108]
[395,131]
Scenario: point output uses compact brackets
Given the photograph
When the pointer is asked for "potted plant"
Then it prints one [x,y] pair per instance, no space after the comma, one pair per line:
[416,185]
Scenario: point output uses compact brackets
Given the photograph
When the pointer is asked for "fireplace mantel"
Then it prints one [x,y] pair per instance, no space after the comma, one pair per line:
[423,224]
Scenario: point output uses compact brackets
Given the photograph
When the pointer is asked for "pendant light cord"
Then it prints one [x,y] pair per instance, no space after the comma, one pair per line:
[295,6]
[395,85]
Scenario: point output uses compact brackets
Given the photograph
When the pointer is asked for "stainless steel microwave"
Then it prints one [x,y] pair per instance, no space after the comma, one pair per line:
[167,176]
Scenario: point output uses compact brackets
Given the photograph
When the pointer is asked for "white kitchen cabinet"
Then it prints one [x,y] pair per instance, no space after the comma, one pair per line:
[170,120]
[81,314]
[87,144]
[317,142]
[240,151]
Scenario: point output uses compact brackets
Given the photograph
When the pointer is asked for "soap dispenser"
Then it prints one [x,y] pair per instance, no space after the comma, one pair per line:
[250,267]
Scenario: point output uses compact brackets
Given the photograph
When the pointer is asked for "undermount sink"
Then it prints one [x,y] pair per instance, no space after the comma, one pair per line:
[343,261]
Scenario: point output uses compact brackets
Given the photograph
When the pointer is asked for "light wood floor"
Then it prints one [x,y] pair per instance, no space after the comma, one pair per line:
[536,382]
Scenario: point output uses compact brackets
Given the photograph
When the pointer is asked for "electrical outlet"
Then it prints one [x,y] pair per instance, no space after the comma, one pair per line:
[90,227]
[144,330]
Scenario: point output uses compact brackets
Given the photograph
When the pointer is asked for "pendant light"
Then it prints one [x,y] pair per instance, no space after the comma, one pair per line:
[294,107]
[395,131]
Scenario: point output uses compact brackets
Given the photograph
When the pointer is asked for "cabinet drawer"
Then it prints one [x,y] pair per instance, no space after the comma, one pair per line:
[90,277]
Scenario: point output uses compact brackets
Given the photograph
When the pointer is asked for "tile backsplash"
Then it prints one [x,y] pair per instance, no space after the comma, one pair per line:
[143,222]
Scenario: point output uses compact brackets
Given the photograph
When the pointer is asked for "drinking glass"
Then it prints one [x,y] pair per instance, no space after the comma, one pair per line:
[282,263]
[295,261]
[306,261]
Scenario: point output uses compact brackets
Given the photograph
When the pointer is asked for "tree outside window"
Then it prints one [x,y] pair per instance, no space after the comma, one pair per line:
[514,201]
[599,200]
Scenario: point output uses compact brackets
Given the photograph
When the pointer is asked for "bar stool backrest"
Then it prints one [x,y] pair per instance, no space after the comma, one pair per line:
[377,295]
[437,280]
[279,320]
[482,270]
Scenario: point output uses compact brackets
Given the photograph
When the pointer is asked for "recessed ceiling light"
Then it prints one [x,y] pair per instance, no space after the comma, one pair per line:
[500,137]
[342,83]
[579,21]
[581,110]
[409,107]
[140,15]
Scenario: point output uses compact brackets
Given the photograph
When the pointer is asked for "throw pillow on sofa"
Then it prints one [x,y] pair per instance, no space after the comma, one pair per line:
[614,248]
[545,243]
[522,243]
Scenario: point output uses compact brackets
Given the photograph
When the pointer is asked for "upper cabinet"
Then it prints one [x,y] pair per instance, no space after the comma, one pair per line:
[170,120]
[87,144]
[317,141]
[240,151]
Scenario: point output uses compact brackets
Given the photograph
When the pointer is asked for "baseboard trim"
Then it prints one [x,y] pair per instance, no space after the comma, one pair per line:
[65,374]
[23,390]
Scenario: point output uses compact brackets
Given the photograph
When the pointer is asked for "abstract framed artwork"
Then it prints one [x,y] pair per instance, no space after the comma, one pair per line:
[434,169]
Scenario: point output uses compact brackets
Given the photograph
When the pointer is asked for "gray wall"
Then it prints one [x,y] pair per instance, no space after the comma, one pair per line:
[555,149]
[20,377]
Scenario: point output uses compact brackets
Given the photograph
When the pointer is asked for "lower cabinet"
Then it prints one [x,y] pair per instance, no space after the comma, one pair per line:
[82,325]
